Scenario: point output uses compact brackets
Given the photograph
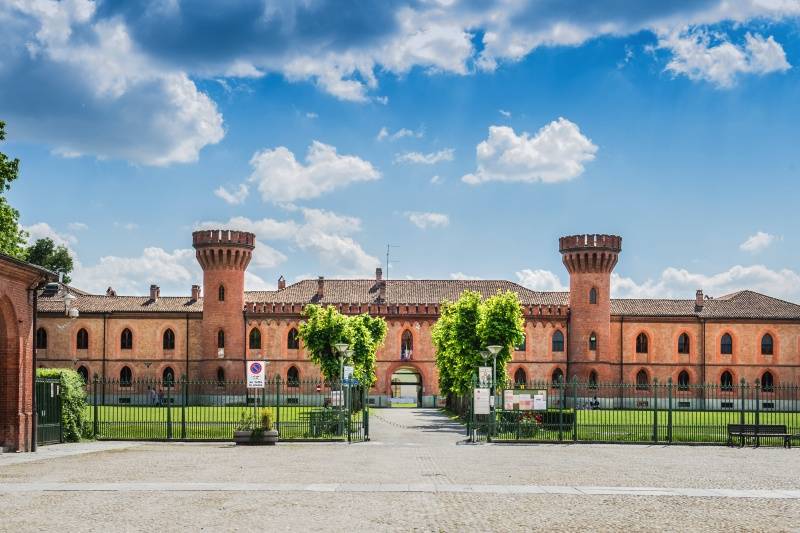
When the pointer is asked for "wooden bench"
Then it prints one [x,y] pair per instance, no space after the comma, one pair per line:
[753,431]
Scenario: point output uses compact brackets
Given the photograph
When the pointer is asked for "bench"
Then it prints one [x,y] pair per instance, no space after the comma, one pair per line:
[753,431]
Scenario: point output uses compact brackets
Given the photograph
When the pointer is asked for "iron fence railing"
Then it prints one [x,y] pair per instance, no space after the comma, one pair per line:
[48,411]
[632,413]
[212,410]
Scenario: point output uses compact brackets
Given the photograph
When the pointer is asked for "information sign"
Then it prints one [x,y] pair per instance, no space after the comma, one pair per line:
[484,375]
[255,374]
[525,403]
[481,401]
[540,400]
[508,400]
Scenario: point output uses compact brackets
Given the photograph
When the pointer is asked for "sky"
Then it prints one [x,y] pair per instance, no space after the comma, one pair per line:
[468,135]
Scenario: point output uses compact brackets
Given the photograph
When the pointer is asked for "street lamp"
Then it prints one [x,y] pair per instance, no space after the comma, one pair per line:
[494,349]
[341,347]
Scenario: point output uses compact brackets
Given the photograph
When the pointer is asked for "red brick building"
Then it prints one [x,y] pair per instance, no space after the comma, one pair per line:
[582,333]
[18,284]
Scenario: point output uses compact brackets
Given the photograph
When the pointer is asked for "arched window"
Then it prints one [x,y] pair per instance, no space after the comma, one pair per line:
[406,345]
[726,381]
[558,341]
[293,340]
[593,379]
[767,382]
[126,339]
[683,380]
[255,339]
[521,346]
[221,293]
[82,340]
[220,377]
[726,344]
[293,377]
[520,377]
[683,343]
[168,377]
[641,343]
[41,339]
[766,344]
[220,339]
[125,377]
[593,296]
[169,339]
[84,373]
[592,341]
[642,380]
[557,377]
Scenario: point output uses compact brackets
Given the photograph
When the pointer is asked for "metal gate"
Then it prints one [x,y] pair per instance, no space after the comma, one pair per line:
[48,411]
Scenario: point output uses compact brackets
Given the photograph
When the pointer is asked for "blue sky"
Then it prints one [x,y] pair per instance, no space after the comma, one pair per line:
[471,135]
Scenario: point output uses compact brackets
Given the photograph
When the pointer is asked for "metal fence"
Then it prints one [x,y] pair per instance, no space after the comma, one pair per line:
[632,413]
[48,411]
[212,410]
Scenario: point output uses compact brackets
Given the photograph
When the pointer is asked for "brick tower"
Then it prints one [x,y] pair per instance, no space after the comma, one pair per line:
[224,256]
[589,260]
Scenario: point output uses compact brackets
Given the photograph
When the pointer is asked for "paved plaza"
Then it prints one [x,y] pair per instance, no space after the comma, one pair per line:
[415,474]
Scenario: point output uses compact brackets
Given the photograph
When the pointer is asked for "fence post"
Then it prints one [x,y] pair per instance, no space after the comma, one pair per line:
[365,409]
[655,410]
[561,395]
[278,402]
[742,385]
[574,408]
[169,407]
[758,409]
[184,385]
[95,423]
[669,412]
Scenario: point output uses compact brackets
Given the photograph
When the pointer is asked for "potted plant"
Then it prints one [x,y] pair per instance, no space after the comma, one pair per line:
[252,430]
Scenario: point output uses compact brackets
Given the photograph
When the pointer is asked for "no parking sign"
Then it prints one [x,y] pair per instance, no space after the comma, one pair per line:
[255,374]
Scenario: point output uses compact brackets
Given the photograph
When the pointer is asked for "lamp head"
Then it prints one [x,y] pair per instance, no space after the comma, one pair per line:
[494,349]
[341,347]
[485,355]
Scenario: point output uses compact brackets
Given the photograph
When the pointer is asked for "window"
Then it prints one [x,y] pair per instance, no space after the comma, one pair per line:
[520,377]
[168,377]
[558,341]
[641,343]
[726,344]
[82,340]
[221,293]
[84,373]
[293,377]
[557,377]
[125,377]
[726,381]
[766,344]
[683,343]
[593,379]
[220,377]
[593,342]
[683,380]
[593,296]
[767,382]
[169,339]
[406,345]
[41,339]
[255,339]
[293,340]
[521,346]
[642,380]
[126,339]
[220,339]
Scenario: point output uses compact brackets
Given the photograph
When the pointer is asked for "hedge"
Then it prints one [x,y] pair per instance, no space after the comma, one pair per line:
[75,423]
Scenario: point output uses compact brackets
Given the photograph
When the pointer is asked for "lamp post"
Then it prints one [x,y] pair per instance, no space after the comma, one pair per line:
[494,349]
[342,348]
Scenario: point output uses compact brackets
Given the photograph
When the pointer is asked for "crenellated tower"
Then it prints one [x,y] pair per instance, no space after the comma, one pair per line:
[224,256]
[590,259]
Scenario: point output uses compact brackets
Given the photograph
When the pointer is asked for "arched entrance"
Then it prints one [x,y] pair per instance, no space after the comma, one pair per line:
[10,430]
[405,389]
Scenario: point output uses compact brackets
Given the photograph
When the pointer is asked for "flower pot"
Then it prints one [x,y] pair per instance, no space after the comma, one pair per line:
[256,437]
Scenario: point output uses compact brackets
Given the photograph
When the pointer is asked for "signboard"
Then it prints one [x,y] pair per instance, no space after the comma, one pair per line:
[348,373]
[525,402]
[255,374]
[336,398]
[484,375]
[540,400]
[508,400]
[481,401]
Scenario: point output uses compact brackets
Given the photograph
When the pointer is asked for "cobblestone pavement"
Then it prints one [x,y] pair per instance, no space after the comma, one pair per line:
[416,474]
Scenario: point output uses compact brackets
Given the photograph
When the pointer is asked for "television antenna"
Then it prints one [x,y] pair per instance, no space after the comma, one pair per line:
[388,251]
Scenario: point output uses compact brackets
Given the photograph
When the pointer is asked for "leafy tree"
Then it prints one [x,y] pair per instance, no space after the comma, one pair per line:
[464,329]
[12,238]
[45,253]
[325,327]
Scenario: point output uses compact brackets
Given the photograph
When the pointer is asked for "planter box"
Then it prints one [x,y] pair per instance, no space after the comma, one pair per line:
[256,438]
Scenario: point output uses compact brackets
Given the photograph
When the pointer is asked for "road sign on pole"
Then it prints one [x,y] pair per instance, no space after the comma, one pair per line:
[255,374]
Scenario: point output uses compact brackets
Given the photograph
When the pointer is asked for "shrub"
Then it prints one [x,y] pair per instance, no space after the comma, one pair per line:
[74,420]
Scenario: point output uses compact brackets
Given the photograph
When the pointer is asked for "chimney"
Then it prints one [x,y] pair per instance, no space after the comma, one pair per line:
[154,292]
[195,292]
[698,298]
[281,283]
[111,292]
[378,274]
[320,287]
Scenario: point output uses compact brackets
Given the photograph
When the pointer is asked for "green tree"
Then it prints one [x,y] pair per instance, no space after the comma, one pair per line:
[45,253]
[466,327]
[12,237]
[324,327]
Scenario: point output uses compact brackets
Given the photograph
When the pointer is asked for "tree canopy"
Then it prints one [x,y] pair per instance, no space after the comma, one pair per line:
[12,237]
[45,253]
[325,327]
[466,327]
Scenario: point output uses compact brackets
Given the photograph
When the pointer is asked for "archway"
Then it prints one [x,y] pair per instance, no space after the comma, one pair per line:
[10,428]
[406,388]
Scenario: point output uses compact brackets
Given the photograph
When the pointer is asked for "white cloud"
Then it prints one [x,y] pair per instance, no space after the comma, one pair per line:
[425,159]
[311,115]
[281,178]
[698,57]
[427,220]
[233,198]
[462,276]
[540,280]
[556,153]
[505,113]
[399,134]
[77,226]
[43,230]
[436,180]
[758,242]
[129,226]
